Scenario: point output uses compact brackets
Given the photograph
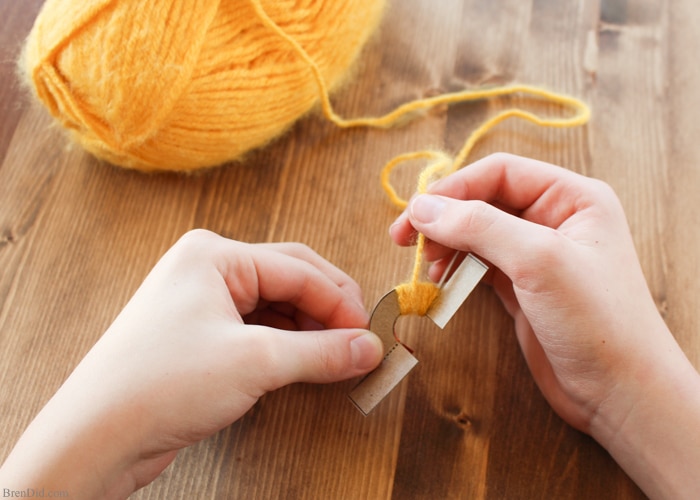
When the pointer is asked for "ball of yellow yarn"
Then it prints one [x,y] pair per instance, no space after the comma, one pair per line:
[185,84]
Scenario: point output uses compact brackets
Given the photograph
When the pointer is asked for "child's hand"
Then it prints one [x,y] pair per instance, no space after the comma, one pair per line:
[179,363]
[567,272]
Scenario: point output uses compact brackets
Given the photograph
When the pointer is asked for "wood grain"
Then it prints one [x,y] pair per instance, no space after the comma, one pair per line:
[77,237]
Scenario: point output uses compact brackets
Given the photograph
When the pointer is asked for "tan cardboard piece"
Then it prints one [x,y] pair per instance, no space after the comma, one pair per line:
[398,361]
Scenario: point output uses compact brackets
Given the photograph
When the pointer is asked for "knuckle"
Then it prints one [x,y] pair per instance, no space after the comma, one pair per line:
[605,192]
[328,361]
[335,362]
[196,239]
[545,254]
[600,185]
[499,157]
[605,199]
[478,216]
[351,287]
[270,358]
[295,249]
[199,246]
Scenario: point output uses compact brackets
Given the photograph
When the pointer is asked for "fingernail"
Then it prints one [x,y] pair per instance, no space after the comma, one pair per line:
[366,351]
[391,229]
[427,208]
[399,220]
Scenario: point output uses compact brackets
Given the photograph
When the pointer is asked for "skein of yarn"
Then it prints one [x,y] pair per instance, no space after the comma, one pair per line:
[186,84]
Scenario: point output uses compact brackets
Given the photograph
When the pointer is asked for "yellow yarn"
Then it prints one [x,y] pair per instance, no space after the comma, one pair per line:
[444,165]
[184,84]
[415,296]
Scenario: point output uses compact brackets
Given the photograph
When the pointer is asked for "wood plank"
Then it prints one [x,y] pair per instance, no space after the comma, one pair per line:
[18,17]
[677,100]
[78,236]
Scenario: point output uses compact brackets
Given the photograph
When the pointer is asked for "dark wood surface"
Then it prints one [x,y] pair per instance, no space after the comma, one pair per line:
[78,236]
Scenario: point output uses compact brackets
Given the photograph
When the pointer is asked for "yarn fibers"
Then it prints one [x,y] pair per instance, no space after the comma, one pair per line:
[416,296]
[186,84]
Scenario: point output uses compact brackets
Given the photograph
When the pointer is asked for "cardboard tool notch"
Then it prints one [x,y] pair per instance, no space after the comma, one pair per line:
[398,361]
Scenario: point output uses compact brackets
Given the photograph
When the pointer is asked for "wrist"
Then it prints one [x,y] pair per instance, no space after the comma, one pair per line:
[75,447]
[649,425]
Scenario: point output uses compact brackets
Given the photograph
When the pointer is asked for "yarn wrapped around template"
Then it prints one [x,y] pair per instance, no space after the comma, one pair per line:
[186,84]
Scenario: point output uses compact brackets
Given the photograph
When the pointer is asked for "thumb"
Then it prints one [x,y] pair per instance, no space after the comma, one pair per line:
[324,356]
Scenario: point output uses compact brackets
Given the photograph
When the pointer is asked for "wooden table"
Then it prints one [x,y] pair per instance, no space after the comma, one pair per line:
[78,236]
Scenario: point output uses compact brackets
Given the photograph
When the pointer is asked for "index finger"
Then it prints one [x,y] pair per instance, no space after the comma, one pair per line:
[536,191]
[303,252]
[258,273]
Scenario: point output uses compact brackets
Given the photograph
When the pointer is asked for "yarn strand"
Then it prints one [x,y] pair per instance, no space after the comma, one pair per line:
[580,118]
[399,114]
[416,296]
